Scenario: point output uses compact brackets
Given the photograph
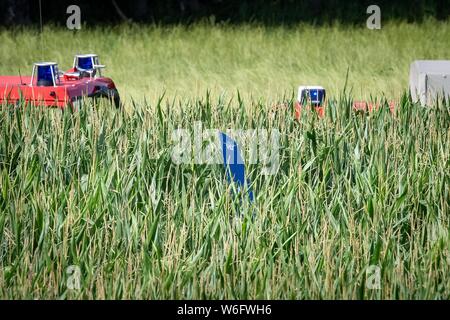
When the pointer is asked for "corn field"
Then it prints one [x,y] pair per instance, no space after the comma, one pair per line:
[358,209]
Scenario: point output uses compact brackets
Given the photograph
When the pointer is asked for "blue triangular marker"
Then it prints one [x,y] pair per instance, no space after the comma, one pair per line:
[233,163]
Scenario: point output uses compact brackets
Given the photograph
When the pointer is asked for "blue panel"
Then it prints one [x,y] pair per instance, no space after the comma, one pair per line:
[317,95]
[44,74]
[233,163]
[314,95]
[85,63]
[321,96]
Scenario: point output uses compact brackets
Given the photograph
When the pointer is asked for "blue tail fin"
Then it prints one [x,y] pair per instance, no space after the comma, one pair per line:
[233,163]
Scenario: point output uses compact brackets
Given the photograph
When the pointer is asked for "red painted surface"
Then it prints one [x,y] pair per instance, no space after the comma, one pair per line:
[15,88]
[357,106]
[298,110]
[370,106]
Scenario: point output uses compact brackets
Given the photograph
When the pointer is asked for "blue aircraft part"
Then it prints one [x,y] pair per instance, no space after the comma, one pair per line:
[233,163]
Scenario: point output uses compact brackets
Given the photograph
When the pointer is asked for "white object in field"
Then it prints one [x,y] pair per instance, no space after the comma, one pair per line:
[429,80]
[316,94]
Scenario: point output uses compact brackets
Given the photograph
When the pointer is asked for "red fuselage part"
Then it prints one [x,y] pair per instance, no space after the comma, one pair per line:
[16,88]
[357,106]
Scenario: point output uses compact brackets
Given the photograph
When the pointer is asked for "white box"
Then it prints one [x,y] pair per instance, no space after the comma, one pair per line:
[429,80]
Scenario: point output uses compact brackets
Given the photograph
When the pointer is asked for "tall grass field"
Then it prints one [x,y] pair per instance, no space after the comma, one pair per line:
[260,62]
[358,209]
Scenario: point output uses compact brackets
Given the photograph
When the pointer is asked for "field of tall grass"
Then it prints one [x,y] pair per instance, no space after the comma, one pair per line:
[357,198]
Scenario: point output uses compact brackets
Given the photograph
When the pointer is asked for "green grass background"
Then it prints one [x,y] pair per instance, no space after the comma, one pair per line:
[261,62]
